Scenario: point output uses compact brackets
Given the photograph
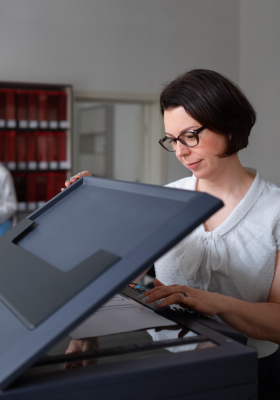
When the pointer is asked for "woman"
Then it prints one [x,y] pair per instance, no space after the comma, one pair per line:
[229,266]
[8,200]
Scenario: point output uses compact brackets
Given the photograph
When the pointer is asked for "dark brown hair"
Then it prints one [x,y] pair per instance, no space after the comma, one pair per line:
[215,102]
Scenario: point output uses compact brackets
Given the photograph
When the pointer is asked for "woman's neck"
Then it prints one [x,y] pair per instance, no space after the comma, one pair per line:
[230,180]
[230,185]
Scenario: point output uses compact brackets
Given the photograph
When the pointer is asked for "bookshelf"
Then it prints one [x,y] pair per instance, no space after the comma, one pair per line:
[35,140]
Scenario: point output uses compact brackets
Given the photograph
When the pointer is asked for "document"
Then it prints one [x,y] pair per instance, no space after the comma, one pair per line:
[118,315]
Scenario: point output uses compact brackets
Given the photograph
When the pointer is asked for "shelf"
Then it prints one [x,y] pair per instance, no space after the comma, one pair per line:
[34,129]
[30,115]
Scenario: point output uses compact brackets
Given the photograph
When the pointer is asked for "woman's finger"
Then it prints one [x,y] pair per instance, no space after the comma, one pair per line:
[160,293]
[175,298]
[152,292]
[73,179]
[159,283]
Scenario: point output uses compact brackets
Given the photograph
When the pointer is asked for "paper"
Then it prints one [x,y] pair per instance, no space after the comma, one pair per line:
[118,315]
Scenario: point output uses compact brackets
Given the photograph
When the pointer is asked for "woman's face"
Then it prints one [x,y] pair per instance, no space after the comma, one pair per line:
[203,159]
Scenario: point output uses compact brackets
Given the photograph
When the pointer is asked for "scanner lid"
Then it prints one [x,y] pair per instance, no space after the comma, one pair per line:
[69,257]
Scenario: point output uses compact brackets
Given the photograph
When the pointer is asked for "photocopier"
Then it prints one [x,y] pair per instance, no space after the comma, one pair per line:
[67,259]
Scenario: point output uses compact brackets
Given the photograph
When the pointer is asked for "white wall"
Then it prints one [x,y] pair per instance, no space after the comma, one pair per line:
[126,144]
[118,45]
[260,80]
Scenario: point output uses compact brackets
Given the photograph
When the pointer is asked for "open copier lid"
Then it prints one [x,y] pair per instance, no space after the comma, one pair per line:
[67,258]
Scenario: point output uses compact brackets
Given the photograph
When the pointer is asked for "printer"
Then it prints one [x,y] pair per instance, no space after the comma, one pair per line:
[67,259]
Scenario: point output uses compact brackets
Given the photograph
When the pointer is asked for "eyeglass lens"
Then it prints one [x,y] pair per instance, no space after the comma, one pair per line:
[188,138]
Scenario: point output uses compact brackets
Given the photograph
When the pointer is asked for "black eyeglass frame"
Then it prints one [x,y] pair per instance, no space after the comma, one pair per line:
[194,131]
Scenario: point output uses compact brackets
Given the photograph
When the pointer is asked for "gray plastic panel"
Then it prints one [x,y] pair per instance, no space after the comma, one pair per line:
[135,223]
[48,288]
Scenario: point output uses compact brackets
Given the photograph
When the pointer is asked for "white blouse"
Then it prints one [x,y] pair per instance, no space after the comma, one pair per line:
[237,258]
[8,200]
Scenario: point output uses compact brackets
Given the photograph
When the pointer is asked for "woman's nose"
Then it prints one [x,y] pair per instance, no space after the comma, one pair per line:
[182,150]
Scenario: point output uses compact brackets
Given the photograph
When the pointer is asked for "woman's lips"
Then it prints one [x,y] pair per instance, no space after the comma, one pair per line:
[193,165]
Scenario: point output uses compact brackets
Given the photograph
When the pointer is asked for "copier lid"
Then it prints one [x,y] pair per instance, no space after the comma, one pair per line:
[70,256]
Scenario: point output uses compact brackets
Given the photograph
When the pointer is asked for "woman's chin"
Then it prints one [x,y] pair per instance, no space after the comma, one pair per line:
[201,173]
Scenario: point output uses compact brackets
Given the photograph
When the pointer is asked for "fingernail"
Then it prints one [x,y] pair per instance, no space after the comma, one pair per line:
[79,173]
[159,302]
[140,296]
[67,181]
[145,299]
[72,177]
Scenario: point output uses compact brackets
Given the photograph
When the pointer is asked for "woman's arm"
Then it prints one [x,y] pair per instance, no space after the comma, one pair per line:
[257,320]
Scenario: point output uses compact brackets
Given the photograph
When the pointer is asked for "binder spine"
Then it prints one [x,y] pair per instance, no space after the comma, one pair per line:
[33,109]
[2,108]
[52,150]
[20,180]
[63,164]
[41,189]
[10,109]
[53,103]
[42,150]
[21,150]
[43,109]
[10,147]
[31,191]
[63,123]
[22,107]
[31,151]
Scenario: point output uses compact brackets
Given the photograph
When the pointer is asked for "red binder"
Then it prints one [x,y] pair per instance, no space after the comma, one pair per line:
[31,191]
[51,185]
[41,189]
[42,149]
[10,109]
[53,107]
[2,146]
[53,150]
[63,164]
[21,149]
[43,109]
[31,150]
[2,108]
[22,108]
[63,123]
[60,181]
[33,109]
[20,181]
[10,150]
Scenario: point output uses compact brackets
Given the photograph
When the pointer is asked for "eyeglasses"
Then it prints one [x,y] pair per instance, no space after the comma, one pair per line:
[189,139]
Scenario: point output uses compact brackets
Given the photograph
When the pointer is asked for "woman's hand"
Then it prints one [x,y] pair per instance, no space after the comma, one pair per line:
[74,178]
[198,300]
[80,346]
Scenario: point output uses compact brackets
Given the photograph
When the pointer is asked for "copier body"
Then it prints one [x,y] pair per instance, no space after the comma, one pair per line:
[66,259]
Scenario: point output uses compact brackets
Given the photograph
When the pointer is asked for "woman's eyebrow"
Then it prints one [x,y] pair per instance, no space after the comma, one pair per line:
[183,131]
